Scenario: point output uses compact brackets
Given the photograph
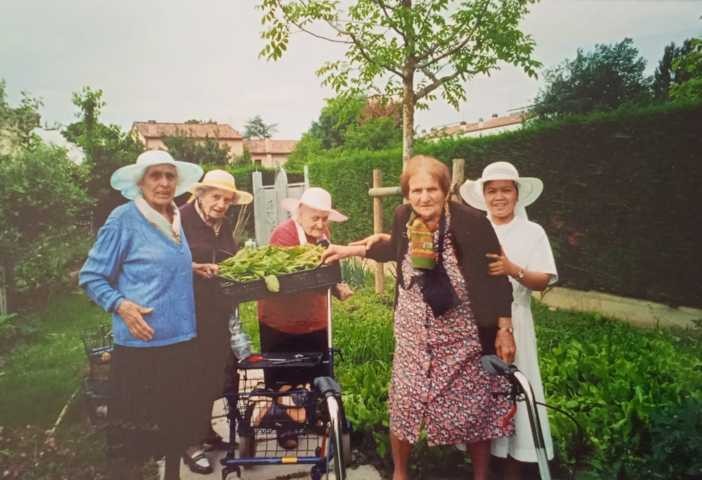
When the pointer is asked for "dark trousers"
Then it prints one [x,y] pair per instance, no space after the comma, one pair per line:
[276,341]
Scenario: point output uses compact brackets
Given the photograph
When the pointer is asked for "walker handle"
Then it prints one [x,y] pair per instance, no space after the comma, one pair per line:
[494,365]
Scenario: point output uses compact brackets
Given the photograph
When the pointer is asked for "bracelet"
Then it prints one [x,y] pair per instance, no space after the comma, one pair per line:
[509,329]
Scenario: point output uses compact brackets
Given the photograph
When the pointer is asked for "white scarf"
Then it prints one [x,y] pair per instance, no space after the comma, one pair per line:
[171,231]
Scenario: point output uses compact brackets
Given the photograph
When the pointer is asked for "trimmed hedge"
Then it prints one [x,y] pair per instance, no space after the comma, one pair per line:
[620,199]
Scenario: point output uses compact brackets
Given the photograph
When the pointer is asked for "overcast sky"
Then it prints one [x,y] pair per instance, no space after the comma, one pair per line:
[172,60]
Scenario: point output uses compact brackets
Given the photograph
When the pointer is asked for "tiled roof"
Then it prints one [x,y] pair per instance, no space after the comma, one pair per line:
[220,131]
[490,123]
[262,147]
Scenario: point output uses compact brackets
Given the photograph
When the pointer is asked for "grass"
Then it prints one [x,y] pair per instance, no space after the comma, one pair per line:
[38,377]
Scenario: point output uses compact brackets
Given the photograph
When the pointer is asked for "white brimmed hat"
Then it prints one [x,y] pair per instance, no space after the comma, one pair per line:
[529,187]
[316,198]
[224,181]
[125,179]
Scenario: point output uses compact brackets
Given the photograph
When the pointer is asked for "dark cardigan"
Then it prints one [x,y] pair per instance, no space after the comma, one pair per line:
[206,247]
[473,237]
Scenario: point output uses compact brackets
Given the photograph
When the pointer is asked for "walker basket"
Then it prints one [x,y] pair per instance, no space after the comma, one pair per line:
[324,276]
[266,411]
[98,349]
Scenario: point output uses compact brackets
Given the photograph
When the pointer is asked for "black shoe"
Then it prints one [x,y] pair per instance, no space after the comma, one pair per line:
[198,462]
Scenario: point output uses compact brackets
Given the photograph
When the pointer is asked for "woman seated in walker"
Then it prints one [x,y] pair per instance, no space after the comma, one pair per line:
[298,323]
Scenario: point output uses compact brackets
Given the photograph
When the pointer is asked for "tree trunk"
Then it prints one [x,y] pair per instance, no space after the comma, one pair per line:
[408,101]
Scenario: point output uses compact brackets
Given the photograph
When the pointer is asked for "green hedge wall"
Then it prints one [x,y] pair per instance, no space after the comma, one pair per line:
[620,204]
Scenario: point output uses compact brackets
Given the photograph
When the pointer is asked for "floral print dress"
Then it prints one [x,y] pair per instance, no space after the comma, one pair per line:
[437,381]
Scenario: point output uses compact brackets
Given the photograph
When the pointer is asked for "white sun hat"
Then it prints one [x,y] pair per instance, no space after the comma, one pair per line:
[125,179]
[316,198]
[529,187]
[224,181]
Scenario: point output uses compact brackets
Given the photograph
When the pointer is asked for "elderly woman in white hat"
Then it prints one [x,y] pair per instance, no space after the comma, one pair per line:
[210,236]
[140,270]
[527,261]
[298,322]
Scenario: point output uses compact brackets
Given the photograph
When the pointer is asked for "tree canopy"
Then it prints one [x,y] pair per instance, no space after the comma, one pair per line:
[351,122]
[410,51]
[602,79]
[665,74]
[106,149]
[687,84]
[256,128]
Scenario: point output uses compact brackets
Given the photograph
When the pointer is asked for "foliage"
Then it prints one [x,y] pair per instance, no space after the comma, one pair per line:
[106,148]
[338,115]
[17,123]
[619,382]
[256,128]
[614,203]
[41,200]
[409,50]
[352,197]
[207,151]
[607,77]
[690,66]
[665,74]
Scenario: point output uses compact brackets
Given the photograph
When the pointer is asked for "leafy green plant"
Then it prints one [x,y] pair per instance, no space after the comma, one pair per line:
[355,273]
[615,379]
[270,261]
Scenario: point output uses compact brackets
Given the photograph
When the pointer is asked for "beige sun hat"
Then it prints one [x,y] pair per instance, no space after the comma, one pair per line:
[316,198]
[530,188]
[224,181]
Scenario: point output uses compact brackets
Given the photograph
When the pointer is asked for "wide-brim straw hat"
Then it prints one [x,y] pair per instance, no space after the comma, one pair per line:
[224,181]
[530,188]
[316,198]
[125,179]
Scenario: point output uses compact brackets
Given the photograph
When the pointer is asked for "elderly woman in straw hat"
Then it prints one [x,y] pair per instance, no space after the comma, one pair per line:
[211,240]
[140,270]
[298,322]
[527,261]
[448,313]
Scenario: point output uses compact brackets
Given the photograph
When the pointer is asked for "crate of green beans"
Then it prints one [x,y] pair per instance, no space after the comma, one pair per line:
[255,273]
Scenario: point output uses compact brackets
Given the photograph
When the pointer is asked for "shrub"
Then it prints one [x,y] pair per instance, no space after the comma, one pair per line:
[616,199]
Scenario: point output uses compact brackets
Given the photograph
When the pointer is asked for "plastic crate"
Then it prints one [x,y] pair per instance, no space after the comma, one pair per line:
[325,276]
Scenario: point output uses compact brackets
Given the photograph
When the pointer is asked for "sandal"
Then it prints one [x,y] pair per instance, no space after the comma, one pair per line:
[287,439]
[198,462]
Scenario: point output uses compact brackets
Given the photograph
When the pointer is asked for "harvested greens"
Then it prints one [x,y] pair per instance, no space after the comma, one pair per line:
[268,262]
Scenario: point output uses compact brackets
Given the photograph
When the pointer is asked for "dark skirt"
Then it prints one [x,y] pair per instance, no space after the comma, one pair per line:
[215,368]
[150,411]
[276,341]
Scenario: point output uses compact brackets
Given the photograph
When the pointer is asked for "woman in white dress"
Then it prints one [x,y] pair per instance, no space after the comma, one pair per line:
[527,260]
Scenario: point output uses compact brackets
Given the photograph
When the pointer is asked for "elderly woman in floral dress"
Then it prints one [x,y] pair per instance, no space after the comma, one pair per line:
[449,312]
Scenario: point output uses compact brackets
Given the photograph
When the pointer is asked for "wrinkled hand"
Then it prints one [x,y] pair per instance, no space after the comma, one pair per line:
[133,316]
[343,291]
[371,240]
[504,346]
[205,270]
[500,264]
